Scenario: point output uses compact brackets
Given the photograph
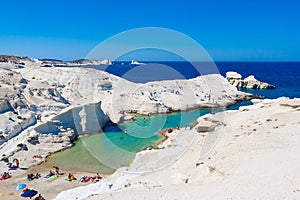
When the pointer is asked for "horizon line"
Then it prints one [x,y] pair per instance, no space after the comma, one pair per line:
[148,61]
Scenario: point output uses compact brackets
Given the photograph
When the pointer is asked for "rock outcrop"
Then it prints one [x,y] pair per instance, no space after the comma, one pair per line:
[82,120]
[89,62]
[5,106]
[250,82]
[7,58]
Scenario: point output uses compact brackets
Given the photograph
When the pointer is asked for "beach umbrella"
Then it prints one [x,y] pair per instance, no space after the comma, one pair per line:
[20,186]
[29,193]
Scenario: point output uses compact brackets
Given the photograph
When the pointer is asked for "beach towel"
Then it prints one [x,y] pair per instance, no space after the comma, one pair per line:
[12,168]
[50,176]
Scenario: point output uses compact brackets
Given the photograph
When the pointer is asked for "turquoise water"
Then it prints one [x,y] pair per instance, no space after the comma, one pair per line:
[112,149]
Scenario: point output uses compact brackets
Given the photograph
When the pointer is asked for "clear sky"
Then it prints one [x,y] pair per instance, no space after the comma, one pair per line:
[229,30]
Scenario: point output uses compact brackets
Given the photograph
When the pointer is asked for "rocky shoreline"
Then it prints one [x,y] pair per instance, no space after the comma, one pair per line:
[63,109]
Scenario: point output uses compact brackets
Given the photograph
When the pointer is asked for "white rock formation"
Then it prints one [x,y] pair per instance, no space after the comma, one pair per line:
[250,82]
[80,86]
[105,62]
[233,75]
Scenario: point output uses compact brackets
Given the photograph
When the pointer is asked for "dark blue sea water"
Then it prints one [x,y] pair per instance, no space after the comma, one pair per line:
[284,75]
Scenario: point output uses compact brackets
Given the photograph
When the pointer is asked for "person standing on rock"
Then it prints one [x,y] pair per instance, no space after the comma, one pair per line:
[39,117]
[17,163]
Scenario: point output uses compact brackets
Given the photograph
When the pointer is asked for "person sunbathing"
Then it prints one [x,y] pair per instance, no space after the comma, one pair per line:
[37,175]
[25,190]
[37,156]
[96,178]
[85,179]
[71,177]
[30,177]
[40,197]
[51,173]
[5,175]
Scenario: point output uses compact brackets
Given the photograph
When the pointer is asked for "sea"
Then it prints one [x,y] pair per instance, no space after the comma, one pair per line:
[118,144]
[284,75]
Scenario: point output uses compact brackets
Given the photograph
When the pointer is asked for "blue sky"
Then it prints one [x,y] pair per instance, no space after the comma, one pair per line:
[228,30]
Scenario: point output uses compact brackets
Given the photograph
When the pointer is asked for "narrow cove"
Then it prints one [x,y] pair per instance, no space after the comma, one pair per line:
[118,144]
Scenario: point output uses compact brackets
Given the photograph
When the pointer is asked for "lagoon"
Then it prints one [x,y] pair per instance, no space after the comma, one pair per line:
[118,144]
